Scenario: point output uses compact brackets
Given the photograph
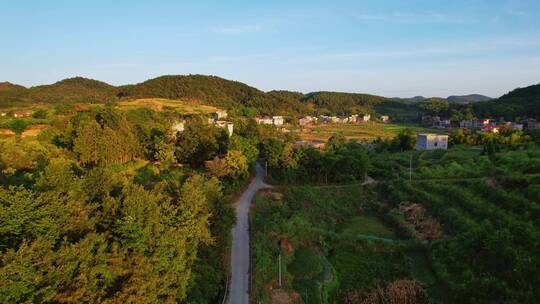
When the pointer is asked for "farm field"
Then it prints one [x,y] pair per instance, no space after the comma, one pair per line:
[360,132]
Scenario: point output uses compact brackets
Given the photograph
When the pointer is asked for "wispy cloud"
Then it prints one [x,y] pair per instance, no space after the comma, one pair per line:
[414,18]
[238,29]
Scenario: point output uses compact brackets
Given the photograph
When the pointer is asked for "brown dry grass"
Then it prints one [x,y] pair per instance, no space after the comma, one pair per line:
[159,104]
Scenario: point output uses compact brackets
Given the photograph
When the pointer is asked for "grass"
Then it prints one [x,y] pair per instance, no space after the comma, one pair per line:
[362,131]
[369,225]
[159,104]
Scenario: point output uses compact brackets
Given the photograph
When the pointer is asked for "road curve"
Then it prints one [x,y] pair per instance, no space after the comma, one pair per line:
[239,284]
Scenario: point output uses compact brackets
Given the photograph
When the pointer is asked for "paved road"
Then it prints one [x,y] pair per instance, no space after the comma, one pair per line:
[239,286]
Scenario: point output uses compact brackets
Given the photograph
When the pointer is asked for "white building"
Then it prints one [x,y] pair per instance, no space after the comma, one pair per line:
[431,141]
[229,126]
[278,120]
[265,120]
[385,118]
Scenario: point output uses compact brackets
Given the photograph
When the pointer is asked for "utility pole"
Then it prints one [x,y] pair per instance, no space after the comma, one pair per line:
[265,168]
[279,261]
[410,167]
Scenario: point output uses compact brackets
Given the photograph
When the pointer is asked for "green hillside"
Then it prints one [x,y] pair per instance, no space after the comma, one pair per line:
[71,90]
[242,99]
[521,102]
[342,103]
[211,90]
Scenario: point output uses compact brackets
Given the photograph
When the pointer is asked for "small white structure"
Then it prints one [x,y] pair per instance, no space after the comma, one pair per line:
[444,123]
[278,120]
[229,126]
[366,117]
[385,118]
[265,120]
[178,127]
[426,141]
[219,115]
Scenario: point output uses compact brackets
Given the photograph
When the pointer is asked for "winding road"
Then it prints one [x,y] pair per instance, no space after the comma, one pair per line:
[239,285]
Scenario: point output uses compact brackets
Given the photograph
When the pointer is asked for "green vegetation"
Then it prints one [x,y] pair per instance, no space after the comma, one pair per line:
[241,99]
[522,102]
[463,229]
[104,203]
[487,204]
[108,205]
[340,161]
[319,233]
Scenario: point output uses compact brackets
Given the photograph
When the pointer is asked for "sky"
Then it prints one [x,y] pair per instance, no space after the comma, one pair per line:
[389,48]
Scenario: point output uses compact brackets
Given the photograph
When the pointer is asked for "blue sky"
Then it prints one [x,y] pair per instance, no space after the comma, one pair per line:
[391,48]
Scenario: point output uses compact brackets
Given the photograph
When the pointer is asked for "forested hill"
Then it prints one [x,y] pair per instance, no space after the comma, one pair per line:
[246,100]
[71,90]
[213,90]
[77,89]
[342,103]
[521,102]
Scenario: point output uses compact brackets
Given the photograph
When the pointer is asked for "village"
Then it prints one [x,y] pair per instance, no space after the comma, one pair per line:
[424,140]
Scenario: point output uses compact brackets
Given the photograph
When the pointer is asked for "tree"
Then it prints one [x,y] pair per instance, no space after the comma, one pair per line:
[244,145]
[196,144]
[273,149]
[336,142]
[406,140]
[18,126]
[233,165]
[88,143]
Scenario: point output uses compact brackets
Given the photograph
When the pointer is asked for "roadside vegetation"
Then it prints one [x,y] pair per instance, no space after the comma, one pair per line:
[109,205]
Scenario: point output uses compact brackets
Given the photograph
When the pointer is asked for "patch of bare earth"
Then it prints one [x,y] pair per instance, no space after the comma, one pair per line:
[33,130]
[423,226]
[280,296]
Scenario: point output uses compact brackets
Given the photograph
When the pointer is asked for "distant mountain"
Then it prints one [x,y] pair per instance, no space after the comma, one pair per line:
[454,98]
[468,98]
[519,103]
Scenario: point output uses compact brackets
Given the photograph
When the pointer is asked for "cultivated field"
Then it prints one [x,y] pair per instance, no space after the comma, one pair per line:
[363,131]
